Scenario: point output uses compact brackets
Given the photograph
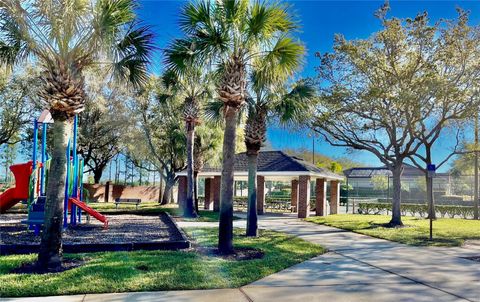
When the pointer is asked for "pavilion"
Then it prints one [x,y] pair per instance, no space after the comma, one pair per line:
[274,166]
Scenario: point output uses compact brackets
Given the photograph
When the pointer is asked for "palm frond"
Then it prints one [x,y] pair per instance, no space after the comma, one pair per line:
[169,79]
[283,59]
[234,12]
[266,20]
[293,107]
[179,55]
[111,16]
[14,40]
[196,15]
[213,112]
[132,54]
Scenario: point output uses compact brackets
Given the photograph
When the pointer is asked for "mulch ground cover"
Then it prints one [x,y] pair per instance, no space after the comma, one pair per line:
[121,229]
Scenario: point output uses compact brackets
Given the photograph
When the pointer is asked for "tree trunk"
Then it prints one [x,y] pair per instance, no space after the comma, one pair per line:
[161,193]
[189,209]
[252,219]
[97,175]
[195,189]
[475,194]
[50,255]
[430,197]
[225,232]
[166,193]
[396,196]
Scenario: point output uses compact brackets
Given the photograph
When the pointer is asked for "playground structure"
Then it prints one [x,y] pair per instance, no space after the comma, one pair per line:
[31,179]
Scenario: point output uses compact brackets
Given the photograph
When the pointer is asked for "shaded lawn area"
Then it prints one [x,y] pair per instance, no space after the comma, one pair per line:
[152,208]
[446,232]
[161,270]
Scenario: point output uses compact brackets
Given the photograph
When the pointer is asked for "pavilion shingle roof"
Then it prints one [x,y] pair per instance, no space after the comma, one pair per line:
[274,161]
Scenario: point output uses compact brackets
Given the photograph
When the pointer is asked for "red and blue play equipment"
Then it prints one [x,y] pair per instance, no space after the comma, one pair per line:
[12,196]
[25,174]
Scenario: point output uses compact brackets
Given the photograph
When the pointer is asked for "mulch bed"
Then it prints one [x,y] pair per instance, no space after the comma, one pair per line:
[32,268]
[239,254]
[125,232]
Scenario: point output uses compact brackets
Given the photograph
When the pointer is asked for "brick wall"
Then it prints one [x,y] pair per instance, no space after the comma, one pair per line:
[145,193]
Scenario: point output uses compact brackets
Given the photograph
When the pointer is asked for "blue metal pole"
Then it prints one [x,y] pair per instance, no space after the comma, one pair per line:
[44,159]
[80,179]
[65,201]
[73,220]
[34,159]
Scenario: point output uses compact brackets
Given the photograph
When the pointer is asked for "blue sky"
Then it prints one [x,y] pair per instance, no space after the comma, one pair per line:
[320,21]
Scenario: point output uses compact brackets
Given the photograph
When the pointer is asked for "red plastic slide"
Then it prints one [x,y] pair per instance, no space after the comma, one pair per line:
[12,196]
[90,211]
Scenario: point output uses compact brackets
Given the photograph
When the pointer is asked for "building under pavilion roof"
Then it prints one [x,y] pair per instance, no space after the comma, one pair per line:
[274,166]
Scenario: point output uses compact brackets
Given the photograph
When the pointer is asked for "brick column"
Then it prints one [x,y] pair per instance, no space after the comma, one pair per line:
[208,193]
[294,195]
[182,191]
[216,183]
[260,195]
[108,197]
[320,197]
[334,196]
[303,196]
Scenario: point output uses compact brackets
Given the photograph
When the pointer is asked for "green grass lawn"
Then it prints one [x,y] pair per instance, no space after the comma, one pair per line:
[446,232]
[160,270]
[151,208]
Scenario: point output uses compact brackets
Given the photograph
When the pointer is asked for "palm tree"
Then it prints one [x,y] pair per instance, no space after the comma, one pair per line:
[230,34]
[65,37]
[270,98]
[193,85]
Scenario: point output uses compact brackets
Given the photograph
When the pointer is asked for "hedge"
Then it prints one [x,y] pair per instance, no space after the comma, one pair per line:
[413,209]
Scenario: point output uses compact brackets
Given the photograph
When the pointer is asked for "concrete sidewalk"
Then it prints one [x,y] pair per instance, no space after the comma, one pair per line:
[362,268]
[357,268]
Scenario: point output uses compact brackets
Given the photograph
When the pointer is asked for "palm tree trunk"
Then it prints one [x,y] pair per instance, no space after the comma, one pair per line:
[195,189]
[396,196]
[225,232]
[189,209]
[50,255]
[252,219]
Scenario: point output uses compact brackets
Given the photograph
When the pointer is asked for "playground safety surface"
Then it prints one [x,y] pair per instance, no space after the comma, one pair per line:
[125,233]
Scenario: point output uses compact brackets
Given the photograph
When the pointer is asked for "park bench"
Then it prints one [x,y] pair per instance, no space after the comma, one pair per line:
[279,205]
[135,201]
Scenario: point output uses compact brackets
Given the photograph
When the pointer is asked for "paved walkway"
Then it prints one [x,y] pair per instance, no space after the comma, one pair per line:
[357,268]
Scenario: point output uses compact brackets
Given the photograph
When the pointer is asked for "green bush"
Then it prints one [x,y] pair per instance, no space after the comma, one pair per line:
[414,209]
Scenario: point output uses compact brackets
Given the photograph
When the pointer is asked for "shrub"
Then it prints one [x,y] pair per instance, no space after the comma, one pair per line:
[420,209]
